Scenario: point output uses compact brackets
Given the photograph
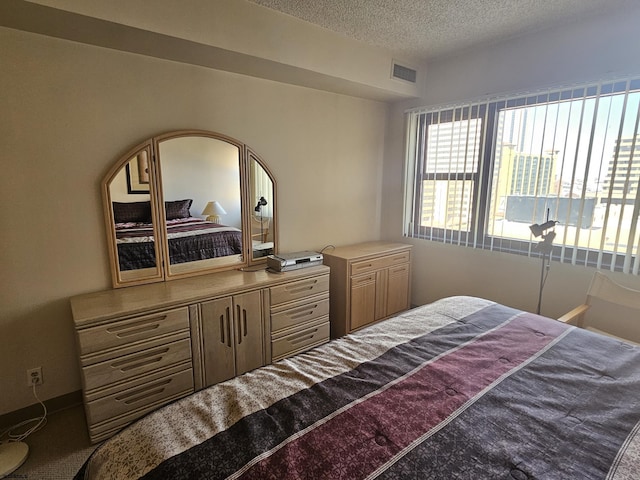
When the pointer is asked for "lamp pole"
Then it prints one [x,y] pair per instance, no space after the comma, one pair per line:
[544,261]
[546,247]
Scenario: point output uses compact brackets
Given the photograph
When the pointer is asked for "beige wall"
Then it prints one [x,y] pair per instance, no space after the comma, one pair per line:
[70,110]
[590,50]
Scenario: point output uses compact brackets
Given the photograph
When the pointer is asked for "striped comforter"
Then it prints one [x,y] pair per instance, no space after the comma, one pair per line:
[463,388]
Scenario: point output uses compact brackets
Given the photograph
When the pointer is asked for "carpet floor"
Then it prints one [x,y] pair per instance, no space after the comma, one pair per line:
[57,450]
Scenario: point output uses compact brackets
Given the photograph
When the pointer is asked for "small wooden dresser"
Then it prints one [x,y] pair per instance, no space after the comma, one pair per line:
[369,281]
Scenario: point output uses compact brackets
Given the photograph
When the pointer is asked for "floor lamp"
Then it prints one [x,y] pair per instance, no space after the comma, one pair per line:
[545,246]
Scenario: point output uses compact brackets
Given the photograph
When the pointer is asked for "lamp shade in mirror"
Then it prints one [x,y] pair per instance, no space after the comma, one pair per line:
[213,210]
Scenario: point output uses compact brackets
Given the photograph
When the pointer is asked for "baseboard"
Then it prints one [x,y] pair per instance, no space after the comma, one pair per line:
[53,405]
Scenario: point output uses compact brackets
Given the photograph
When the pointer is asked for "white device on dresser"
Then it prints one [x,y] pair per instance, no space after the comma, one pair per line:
[283,262]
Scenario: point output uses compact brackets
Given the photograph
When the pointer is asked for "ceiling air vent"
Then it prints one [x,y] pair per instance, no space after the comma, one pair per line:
[403,73]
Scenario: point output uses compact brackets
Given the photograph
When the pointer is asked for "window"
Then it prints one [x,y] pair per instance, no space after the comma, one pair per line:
[482,172]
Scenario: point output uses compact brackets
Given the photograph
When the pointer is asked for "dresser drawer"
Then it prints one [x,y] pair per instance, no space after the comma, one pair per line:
[139,362]
[300,312]
[300,340]
[399,269]
[131,330]
[299,289]
[360,280]
[156,391]
[373,264]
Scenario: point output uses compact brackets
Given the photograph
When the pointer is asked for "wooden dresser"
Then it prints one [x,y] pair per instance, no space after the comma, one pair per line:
[144,346]
[369,281]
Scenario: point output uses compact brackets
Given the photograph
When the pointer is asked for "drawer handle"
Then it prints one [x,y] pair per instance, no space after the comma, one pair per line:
[400,268]
[238,333]
[360,266]
[241,324]
[302,337]
[300,287]
[143,393]
[142,360]
[135,328]
[303,312]
[368,278]
[225,328]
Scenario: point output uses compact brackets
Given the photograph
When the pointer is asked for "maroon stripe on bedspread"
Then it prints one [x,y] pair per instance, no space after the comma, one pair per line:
[361,439]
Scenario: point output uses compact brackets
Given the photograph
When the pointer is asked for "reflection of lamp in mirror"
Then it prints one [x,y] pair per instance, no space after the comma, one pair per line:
[261,203]
[213,210]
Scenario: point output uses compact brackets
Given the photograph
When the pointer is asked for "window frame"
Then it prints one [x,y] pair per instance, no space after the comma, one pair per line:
[477,177]
[489,112]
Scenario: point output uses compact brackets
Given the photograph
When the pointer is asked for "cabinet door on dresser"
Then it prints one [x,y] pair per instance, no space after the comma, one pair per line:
[397,289]
[232,335]
[379,294]
[363,300]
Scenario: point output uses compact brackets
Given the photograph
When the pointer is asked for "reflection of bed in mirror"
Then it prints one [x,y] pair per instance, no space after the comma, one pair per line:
[189,238]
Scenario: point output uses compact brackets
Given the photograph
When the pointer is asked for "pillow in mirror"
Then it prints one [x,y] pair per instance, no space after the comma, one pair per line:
[178,209]
[132,212]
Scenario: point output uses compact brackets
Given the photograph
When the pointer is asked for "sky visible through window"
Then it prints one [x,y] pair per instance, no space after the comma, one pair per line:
[583,134]
[576,131]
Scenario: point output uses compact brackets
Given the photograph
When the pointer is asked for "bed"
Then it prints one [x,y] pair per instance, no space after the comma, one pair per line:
[461,388]
[189,238]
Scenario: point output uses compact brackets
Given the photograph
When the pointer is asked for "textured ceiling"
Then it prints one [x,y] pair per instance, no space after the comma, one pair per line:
[423,29]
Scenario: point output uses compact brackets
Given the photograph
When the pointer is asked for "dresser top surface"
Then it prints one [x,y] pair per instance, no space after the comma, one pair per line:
[92,308]
[366,249]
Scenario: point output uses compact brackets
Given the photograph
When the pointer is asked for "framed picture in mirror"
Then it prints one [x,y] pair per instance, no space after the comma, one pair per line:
[138,174]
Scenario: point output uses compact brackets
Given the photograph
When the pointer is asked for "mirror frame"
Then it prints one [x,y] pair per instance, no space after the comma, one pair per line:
[161,272]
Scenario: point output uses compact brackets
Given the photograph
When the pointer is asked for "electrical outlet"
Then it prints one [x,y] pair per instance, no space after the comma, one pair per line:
[34,376]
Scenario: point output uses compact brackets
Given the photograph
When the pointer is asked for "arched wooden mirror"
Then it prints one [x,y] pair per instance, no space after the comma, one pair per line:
[187,203]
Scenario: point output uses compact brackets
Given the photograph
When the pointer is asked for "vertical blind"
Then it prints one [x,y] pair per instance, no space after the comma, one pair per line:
[480,172]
